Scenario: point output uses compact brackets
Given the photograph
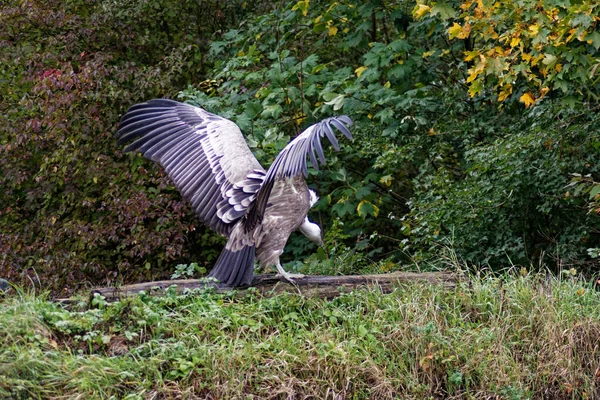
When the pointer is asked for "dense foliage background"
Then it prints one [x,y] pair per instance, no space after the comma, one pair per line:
[476,124]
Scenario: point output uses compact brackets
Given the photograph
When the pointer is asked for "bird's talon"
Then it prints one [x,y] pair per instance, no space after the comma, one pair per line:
[286,275]
[290,277]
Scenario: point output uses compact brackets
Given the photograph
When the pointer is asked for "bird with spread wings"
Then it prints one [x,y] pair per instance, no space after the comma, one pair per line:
[211,165]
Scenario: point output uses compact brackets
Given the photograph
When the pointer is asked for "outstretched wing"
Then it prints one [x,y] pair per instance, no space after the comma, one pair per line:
[292,161]
[205,155]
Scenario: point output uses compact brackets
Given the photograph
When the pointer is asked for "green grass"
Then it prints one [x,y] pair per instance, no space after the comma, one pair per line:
[513,337]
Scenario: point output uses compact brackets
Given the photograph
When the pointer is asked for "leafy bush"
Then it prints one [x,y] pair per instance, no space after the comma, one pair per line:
[524,49]
[511,203]
[74,209]
[435,161]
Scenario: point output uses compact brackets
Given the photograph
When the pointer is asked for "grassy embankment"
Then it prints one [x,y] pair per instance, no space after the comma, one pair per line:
[515,337]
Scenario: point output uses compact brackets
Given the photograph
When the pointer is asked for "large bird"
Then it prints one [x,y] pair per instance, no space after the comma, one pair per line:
[210,163]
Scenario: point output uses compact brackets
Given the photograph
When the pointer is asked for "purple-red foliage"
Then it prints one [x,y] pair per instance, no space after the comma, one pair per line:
[74,210]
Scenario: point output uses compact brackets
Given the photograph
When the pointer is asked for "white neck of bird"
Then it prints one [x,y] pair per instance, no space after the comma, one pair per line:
[312,231]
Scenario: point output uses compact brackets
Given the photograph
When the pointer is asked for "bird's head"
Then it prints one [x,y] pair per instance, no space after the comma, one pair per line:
[312,231]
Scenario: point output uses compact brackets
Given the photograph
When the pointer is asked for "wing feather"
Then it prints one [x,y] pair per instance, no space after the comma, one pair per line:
[292,161]
[204,154]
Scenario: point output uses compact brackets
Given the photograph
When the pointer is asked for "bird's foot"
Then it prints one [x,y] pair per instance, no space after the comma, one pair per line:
[286,275]
[290,277]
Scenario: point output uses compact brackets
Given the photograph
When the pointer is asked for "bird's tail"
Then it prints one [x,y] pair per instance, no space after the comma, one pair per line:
[235,268]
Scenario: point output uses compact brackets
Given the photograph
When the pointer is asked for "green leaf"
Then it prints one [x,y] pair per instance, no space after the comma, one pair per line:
[272,111]
[362,192]
[328,96]
[475,88]
[549,59]
[253,109]
[582,19]
[343,208]
[362,331]
[594,39]
[594,192]
[444,10]
[336,102]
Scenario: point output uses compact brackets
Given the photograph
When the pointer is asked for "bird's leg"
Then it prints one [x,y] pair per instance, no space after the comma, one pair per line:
[286,275]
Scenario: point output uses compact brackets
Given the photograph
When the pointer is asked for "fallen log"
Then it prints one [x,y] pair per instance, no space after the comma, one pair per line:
[310,285]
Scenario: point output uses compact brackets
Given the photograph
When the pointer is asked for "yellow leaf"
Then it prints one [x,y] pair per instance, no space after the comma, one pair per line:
[528,99]
[534,29]
[387,85]
[491,32]
[302,6]
[466,5]
[454,30]
[475,71]
[318,19]
[240,53]
[370,116]
[473,75]
[500,51]
[431,132]
[506,91]
[332,31]
[466,31]
[386,180]
[536,59]
[420,10]
[365,206]
[471,55]
[514,42]
[358,71]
